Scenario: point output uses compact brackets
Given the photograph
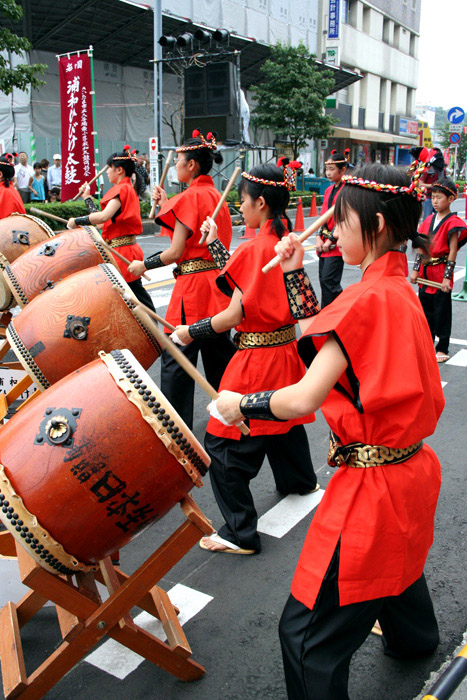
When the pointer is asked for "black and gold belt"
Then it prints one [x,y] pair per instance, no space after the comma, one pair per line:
[268,339]
[190,267]
[119,241]
[435,261]
[360,456]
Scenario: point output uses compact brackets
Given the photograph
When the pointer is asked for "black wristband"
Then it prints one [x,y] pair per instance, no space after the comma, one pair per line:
[449,271]
[82,221]
[417,262]
[90,204]
[202,329]
[257,405]
[153,261]
[219,253]
[301,295]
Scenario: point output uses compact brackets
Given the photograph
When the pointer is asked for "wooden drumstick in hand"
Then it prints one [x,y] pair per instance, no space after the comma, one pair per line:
[303,236]
[101,172]
[168,160]
[221,201]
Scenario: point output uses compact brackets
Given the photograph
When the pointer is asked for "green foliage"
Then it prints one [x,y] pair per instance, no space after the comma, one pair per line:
[461,146]
[292,96]
[65,210]
[23,75]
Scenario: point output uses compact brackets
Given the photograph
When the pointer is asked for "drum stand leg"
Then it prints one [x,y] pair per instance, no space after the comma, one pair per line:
[5,319]
[84,619]
[7,399]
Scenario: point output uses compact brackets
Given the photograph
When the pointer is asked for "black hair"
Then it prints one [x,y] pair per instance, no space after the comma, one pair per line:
[7,170]
[37,165]
[121,160]
[44,162]
[336,157]
[205,157]
[276,198]
[442,183]
[401,212]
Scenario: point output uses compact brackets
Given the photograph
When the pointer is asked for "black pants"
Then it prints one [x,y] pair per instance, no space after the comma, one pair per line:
[438,312]
[178,387]
[330,275]
[141,293]
[317,645]
[234,463]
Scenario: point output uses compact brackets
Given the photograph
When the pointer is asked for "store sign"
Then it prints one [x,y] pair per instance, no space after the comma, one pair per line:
[424,134]
[332,56]
[153,161]
[333,23]
[408,126]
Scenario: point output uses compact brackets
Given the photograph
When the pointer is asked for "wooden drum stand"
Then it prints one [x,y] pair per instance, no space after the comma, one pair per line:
[7,399]
[84,619]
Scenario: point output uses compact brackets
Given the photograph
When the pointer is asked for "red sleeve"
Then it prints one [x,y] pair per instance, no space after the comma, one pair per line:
[10,202]
[425,225]
[184,208]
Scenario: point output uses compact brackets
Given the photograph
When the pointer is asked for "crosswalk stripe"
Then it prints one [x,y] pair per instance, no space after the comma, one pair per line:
[119,661]
[459,359]
[285,515]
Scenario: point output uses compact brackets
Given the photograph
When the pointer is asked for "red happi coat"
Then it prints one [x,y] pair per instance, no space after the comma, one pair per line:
[265,308]
[10,201]
[389,395]
[127,222]
[439,234]
[196,296]
[329,199]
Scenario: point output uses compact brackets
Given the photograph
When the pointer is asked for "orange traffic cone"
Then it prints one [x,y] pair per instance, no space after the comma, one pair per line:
[299,221]
[313,208]
[249,233]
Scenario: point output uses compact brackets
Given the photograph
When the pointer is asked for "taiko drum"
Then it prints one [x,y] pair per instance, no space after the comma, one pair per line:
[40,268]
[92,461]
[66,328]
[18,233]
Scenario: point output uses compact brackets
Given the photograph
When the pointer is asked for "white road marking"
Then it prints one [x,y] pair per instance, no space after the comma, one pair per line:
[443,384]
[459,359]
[285,515]
[120,661]
[460,274]
[457,341]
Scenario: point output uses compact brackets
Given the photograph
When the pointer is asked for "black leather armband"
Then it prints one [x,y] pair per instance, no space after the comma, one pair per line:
[257,406]
[90,204]
[449,271]
[219,253]
[417,262]
[202,329]
[301,295]
[153,261]
[82,221]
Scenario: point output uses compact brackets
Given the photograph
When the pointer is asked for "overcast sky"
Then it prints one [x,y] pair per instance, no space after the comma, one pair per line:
[442,79]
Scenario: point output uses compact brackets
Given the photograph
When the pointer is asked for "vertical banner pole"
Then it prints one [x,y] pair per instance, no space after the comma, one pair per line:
[94,118]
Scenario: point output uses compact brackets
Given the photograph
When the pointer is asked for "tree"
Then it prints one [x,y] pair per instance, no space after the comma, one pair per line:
[292,96]
[23,75]
[461,146]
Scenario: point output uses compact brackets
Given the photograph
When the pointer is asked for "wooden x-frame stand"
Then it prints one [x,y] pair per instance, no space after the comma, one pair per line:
[7,399]
[84,619]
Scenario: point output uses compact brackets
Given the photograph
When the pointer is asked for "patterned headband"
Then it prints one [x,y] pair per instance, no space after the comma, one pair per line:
[130,154]
[208,142]
[288,182]
[413,189]
[336,162]
[437,186]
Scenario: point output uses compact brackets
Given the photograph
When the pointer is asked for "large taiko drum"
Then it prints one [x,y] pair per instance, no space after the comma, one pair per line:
[41,267]
[18,233]
[92,461]
[66,328]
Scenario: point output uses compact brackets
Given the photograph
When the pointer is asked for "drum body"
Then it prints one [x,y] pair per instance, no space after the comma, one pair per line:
[66,328]
[93,461]
[41,267]
[18,233]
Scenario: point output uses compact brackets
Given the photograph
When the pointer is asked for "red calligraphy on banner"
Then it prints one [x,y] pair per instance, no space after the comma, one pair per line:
[77,124]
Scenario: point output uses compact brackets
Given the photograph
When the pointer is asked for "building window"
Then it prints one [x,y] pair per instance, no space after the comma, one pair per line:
[366,20]
[348,6]
[386,30]
[413,40]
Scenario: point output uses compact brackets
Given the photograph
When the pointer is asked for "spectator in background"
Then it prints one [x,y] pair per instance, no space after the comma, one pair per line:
[44,169]
[37,184]
[23,173]
[54,177]
[142,181]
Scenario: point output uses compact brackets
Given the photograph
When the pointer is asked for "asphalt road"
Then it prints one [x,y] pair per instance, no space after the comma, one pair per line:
[232,604]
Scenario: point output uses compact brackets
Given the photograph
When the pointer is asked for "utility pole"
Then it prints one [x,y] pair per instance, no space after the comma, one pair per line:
[157,73]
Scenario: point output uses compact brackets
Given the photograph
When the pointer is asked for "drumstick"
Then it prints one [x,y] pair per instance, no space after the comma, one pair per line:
[155,316]
[429,283]
[177,354]
[106,245]
[101,172]
[303,236]
[41,212]
[221,201]
[152,213]
[120,256]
